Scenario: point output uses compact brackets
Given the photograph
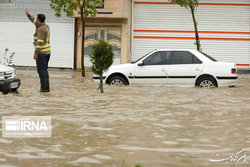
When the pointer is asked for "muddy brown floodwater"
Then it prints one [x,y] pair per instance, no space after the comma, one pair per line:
[147,125]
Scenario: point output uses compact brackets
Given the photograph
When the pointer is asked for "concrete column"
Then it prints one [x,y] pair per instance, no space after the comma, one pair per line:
[124,43]
[126,33]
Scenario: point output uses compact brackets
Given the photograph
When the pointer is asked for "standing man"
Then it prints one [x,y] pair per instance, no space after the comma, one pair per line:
[42,49]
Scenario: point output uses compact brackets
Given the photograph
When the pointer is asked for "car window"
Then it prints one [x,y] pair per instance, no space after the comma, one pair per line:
[196,60]
[141,57]
[158,58]
[184,57]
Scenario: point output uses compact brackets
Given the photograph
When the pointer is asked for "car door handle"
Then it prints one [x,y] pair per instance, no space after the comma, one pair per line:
[164,71]
[197,69]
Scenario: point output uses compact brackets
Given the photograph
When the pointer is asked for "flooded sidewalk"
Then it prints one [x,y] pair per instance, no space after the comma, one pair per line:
[148,125]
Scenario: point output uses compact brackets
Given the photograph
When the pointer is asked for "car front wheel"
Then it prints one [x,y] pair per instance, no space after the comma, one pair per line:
[206,83]
[117,81]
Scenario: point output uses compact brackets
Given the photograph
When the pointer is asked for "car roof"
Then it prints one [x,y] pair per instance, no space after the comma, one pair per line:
[197,53]
[175,49]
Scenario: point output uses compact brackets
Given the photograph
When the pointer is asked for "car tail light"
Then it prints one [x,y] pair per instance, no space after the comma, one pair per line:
[234,71]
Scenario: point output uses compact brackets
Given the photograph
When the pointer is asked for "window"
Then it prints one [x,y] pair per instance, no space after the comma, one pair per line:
[196,60]
[141,57]
[110,33]
[116,50]
[92,36]
[158,58]
[103,34]
[184,57]
[87,50]
[97,5]
[113,37]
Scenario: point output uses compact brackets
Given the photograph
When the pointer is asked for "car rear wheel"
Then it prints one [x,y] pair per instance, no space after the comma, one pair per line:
[206,83]
[117,81]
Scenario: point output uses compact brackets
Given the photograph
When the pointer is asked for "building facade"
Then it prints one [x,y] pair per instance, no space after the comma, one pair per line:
[133,28]
[224,28]
[16,32]
[113,24]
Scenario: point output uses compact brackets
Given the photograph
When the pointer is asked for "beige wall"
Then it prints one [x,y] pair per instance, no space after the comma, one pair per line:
[114,6]
[119,8]
[121,16]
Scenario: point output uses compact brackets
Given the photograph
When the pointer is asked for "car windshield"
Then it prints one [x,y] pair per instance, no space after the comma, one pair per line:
[141,58]
[210,57]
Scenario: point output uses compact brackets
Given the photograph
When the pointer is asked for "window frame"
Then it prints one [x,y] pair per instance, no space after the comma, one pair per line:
[193,57]
[97,6]
[170,59]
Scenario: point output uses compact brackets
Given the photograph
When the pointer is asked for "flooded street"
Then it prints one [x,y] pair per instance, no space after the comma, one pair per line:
[147,125]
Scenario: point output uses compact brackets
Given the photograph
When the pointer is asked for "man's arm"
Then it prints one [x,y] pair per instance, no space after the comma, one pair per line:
[32,19]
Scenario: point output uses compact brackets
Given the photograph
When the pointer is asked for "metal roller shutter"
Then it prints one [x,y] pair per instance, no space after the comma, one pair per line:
[16,33]
[224,27]
[18,37]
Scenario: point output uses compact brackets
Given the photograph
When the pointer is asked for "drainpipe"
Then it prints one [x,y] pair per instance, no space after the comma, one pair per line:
[132,30]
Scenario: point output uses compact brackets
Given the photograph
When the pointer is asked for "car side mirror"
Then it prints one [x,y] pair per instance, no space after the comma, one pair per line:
[140,64]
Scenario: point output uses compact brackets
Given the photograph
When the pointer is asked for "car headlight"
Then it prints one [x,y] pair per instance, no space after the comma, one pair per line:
[1,74]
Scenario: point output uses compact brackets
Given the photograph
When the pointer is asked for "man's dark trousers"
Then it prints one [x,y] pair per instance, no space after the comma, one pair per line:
[42,69]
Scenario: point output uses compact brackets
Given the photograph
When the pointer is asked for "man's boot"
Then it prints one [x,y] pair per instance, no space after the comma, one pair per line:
[45,85]
[42,85]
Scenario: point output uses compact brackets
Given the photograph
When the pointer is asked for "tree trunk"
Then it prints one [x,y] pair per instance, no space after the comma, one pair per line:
[82,53]
[198,45]
[101,83]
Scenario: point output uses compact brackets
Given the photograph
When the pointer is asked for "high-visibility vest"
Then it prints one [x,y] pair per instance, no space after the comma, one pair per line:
[41,37]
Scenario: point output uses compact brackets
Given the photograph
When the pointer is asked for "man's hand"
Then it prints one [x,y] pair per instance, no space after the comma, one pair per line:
[27,12]
[35,56]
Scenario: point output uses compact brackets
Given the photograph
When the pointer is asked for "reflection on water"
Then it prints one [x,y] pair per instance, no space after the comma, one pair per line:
[151,126]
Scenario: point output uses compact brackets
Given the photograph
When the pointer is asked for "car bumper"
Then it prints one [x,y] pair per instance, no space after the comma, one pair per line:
[9,84]
[227,81]
[96,78]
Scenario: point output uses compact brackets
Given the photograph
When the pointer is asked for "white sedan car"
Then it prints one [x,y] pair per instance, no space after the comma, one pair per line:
[173,67]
